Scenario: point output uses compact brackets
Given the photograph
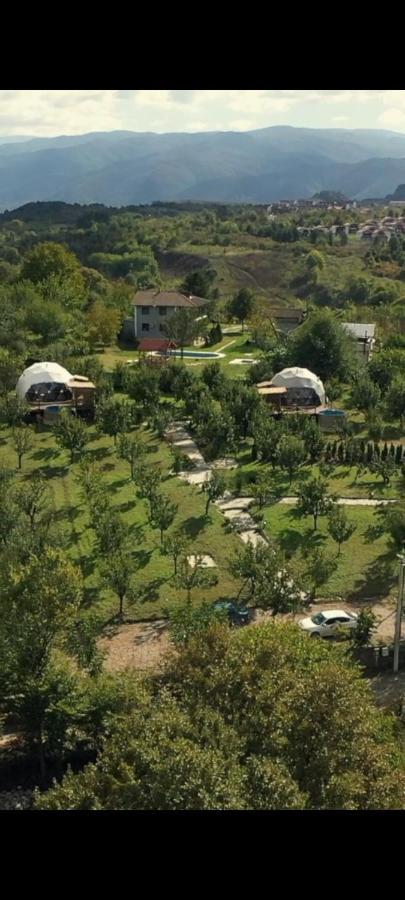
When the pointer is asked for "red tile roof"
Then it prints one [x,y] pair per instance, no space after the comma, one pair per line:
[160,345]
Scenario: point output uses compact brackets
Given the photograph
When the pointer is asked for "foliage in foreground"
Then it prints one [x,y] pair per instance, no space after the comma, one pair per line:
[259,719]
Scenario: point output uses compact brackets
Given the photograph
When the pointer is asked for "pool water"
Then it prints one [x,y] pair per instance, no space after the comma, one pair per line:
[332,412]
[197,354]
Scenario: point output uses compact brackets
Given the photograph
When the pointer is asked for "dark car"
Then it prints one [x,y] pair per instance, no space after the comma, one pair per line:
[237,615]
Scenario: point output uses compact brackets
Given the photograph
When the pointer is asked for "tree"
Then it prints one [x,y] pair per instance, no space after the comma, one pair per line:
[267,433]
[192,574]
[142,385]
[117,572]
[32,498]
[385,468]
[292,453]
[114,416]
[366,624]
[234,722]
[103,323]
[262,489]
[365,393]
[319,569]
[199,283]
[183,327]
[23,441]
[10,368]
[339,527]
[162,513]
[49,259]
[395,399]
[322,345]
[132,449]
[214,488]
[148,479]
[39,602]
[161,419]
[186,621]
[313,499]
[13,410]
[70,433]
[314,263]
[392,518]
[175,545]
[90,480]
[241,305]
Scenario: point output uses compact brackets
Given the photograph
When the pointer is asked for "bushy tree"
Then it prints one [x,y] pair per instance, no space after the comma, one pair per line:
[395,399]
[242,304]
[132,449]
[71,433]
[114,416]
[365,393]
[314,499]
[162,513]
[103,323]
[322,345]
[175,545]
[214,488]
[117,572]
[243,732]
[291,454]
[320,567]
[183,327]
[23,441]
[339,527]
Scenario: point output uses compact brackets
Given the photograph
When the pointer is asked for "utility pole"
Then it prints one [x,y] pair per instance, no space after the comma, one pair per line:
[400,603]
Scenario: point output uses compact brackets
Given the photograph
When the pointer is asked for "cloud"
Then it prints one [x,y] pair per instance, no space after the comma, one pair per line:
[393,116]
[74,112]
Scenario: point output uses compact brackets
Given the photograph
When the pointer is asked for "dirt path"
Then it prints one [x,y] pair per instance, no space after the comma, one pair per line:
[343,501]
[141,646]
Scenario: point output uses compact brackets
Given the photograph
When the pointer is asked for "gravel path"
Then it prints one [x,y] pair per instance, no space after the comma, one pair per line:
[343,501]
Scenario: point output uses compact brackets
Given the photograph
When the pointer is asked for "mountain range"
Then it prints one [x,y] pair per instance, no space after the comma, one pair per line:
[122,167]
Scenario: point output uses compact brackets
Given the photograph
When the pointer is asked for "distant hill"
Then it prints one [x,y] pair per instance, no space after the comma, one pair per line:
[121,168]
[399,194]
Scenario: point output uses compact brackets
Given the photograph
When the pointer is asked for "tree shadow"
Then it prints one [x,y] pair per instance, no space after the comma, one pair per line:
[98,452]
[291,540]
[378,579]
[194,525]
[143,557]
[46,453]
[150,591]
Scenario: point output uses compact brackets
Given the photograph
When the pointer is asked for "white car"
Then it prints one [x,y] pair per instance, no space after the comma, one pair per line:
[328,623]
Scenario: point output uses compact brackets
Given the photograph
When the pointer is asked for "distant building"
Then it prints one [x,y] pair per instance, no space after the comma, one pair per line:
[287,319]
[364,338]
[153,308]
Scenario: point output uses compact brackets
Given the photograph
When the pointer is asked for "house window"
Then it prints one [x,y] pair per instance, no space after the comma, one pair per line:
[145,326]
[145,310]
[161,327]
[162,310]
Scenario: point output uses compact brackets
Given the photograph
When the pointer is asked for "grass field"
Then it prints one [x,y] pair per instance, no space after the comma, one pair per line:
[155,588]
[366,567]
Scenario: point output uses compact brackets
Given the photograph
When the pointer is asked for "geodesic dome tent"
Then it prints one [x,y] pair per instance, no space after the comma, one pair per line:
[44,382]
[303,387]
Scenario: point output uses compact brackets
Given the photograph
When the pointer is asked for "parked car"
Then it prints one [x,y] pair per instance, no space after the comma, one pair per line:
[328,623]
[237,615]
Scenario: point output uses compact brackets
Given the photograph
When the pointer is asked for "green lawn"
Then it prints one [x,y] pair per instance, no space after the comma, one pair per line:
[366,567]
[157,592]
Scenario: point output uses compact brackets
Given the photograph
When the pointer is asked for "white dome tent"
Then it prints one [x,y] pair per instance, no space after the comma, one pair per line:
[303,387]
[45,381]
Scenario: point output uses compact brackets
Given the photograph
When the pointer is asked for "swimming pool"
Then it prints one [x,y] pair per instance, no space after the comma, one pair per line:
[332,412]
[197,354]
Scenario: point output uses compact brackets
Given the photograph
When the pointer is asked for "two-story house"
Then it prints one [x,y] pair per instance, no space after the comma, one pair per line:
[153,308]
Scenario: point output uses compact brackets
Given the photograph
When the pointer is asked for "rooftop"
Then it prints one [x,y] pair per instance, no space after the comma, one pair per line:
[168,298]
[287,313]
[359,330]
[158,345]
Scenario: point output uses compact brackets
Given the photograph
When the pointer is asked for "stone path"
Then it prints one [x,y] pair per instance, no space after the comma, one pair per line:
[205,562]
[344,501]
[233,508]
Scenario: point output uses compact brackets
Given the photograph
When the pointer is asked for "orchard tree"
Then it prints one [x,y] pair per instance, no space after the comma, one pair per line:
[13,410]
[32,498]
[117,572]
[132,449]
[314,500]
[114,416]
[291,454]
[89,480]
[263,488]
[385,468]
[11,367]
[142,385]
[148,479]
[49,259]
[23,441]
[339,527]
[314,263]
[71,433]
[214,488]
[320,568]
[241,306]
[162,513]
[266,433]
[192,574]
[175,545]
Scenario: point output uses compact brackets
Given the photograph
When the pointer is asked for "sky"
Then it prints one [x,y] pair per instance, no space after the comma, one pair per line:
[50,113]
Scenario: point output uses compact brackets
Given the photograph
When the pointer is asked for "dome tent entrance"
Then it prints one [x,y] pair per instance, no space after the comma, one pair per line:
[303,387]
[46,382]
